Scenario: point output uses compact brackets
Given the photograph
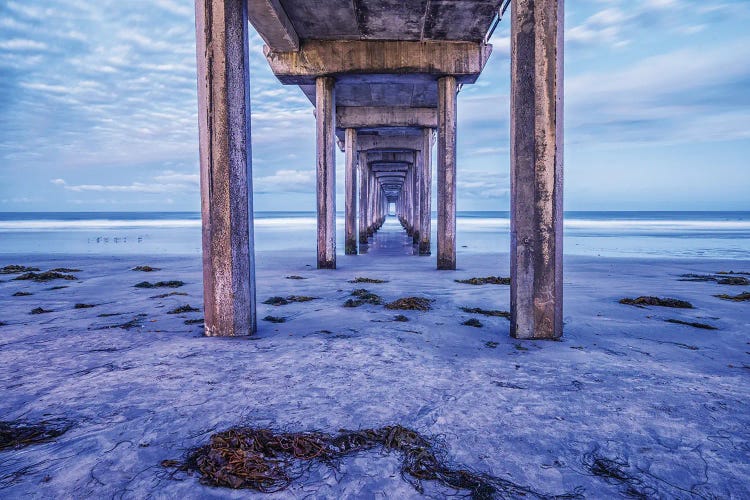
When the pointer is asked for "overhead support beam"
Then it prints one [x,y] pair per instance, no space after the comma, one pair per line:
[325,118]
[350,195]
[372,117]
[377,156]
[446,174]
[425,206]
[463,60]
[272,24]
[225,167]
[536,169]
[367,142]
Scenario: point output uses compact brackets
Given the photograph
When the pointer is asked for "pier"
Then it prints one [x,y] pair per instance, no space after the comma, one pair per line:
[384,79]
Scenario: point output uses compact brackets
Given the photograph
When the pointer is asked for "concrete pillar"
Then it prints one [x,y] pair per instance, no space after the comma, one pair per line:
[416,189]
[225,167]
[446,171]
[536,171]
[370,205]
[325,114]
[425,207]
[350,181]
[363,181]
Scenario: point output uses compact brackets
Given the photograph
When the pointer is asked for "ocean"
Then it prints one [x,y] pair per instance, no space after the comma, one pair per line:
[722,235]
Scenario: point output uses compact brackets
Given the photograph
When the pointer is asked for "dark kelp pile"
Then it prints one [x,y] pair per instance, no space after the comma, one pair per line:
[367,280]
[183,309]
[486,312]
[282,301]
[160,284]
[656,301]
[694,324]
[742,297]
[473,322]
[722,278]
[266,461]
[146,269]
[363,297]
[489,280]
[17,269]
[274,319]
[19,434]
[45,276]
[410,304]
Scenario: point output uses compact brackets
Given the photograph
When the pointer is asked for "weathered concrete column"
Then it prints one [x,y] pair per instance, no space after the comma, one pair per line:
[325,114]
[225,167]
[536,172]
[446,172]
[425,207]
[370,205]
[350,183]
[417,190]
[363,182]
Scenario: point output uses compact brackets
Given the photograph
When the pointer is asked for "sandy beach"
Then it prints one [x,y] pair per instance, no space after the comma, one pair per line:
[135,383]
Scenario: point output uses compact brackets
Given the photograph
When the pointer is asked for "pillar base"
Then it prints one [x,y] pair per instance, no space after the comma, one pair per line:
[350,248]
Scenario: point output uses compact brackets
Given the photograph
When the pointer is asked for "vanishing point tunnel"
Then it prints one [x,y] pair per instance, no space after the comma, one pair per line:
[383,76]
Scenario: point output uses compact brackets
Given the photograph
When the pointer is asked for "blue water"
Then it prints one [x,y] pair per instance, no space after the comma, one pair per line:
[723,235]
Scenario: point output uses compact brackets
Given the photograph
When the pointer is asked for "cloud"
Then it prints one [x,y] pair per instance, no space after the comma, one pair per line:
[167,182]
[289,181]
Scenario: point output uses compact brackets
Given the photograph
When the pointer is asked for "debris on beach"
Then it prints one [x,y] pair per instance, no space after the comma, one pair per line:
[194,321]
[360,279]
[14,435]
[282,301]
[160,284]
[491,344]
[733,272]
[183,309]
[657,301]
[266,461]
[40,310]
[400,318]
[703,326]
[83,306]
[274,319]
[473,322]
[58,287]
[65,270]
[45,276]
[411,304]
[363,297]
[146,269]
[721,279]
[22,294]
[16,269]
[489,280]
[136,322]
[168,294]
[295,277]
[742,297]
[486,312]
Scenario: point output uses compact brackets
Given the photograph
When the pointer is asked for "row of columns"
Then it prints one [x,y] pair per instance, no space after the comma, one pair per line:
[536,171]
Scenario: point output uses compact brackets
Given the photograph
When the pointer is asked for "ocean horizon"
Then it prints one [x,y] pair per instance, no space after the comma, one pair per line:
[646,234]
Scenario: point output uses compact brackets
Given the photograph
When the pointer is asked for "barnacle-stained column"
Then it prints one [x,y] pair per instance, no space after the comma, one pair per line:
[446,172]
[350,193]
[425,206]
[325,117]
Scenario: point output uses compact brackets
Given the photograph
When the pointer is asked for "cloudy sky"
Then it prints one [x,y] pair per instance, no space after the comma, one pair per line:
[98,110]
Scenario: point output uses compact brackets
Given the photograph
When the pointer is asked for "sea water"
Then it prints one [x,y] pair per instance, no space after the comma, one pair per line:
[723,235]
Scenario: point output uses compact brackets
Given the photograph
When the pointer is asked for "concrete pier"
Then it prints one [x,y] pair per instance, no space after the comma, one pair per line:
[326,171]
[446,174]
[350,192]
[225,167]
[536,173]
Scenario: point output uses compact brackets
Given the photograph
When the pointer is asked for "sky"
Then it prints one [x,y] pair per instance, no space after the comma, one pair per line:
[98,111]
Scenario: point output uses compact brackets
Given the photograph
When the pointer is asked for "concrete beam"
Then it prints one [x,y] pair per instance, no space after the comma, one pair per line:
[536,169]
[325,117]
[366,116]
[225,167]
[272,24]
[366,142]
[463,60]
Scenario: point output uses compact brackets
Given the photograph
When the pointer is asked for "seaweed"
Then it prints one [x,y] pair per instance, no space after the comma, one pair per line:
[367,280]
[194,321]
[267,461]
[734,280]
[128,325]
[295,277]
[83,306]
[657,301]
[722,279]
[703,326]
[58,287]
[45,276]
[489,280]
[16,269]
[168,294]
[14,435]
[473,322]
[614,471]
[411,304]
[274,319]
[363,297]
[491,344]
[22,294]
[732,272]
[183,309]
[282,301]
[160,284]
[400,318]
[742,297]
[64,270]
[486,312]
[40,310]
[146,269]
